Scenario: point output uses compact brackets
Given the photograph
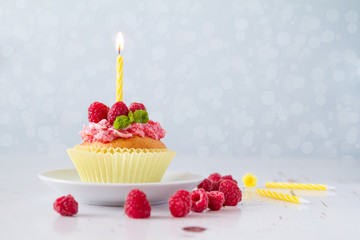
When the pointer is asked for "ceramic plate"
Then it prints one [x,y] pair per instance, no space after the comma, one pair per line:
[67,181]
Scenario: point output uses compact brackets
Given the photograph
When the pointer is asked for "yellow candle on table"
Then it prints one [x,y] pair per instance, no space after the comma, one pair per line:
[119,68]
[281,196]
[304,186]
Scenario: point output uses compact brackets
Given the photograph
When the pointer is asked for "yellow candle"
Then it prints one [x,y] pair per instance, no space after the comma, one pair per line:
[281,196]
[297,186]
[119,68]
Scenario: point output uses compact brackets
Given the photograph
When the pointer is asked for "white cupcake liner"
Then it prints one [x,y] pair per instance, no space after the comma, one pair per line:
[115,165]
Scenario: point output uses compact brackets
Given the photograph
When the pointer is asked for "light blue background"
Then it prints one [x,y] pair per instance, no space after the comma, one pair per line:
[225,78]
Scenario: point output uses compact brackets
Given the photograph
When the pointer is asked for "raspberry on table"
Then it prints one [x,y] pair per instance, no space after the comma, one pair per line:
[216,178]
[66,205]
[206,184]
[97,111]
[137,205]
[231,192]
[136,106]
[229,177]
[199,200]
[118,109]
[216,200]
[180,203]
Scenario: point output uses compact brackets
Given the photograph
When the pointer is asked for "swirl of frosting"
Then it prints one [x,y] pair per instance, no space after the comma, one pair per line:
[104,132]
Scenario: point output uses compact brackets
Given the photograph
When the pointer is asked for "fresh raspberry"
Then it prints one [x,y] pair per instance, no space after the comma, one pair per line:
[206,185]
[231,192]
[216,178]
[97,112]
[137,205]
[228,177]
[180,203]
[216,200]
[136,106]
[118,109]
[199,200]
[66,205]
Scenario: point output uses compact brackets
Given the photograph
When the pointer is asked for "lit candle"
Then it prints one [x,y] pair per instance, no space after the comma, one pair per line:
[304,186]
[119,67]
[281,196]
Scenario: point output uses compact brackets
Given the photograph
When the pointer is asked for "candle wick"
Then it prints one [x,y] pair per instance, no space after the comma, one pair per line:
[119,50]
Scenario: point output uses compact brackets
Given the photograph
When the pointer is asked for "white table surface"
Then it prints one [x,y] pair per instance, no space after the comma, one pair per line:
[26,204]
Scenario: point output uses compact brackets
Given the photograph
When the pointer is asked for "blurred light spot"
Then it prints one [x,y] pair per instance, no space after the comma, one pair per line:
[332,15]
[6,140]
[283,39]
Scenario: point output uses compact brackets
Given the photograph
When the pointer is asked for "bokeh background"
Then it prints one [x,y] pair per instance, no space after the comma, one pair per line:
[243,79]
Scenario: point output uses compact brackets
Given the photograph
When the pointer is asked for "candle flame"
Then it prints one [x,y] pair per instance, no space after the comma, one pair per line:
[119,42]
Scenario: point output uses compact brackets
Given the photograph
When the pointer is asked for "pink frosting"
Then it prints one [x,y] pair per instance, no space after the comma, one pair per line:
[104,132]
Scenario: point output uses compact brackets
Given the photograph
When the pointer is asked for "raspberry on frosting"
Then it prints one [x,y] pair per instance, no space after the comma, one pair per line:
[97,112]
[101,127]
[118,109]
[136,106]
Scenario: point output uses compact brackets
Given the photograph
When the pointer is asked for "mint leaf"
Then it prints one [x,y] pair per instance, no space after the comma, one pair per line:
[141,116]
[121,122]
[131,116]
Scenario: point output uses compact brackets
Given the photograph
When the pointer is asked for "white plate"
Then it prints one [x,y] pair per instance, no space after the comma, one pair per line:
[67,181]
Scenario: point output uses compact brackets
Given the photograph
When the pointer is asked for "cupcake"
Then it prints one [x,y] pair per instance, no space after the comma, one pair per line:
[121,145]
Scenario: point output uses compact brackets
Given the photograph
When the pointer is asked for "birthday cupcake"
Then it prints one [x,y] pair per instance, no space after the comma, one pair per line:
[121,145]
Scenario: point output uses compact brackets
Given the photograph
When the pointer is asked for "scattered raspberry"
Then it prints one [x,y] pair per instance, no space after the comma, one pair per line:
[97,112]
[118,109]
[199,200]
[180,203]
[136,106]
[137,205]
[206,185]
[229,177]
[66,205]
[216,178]
[231,192]
[216,200]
